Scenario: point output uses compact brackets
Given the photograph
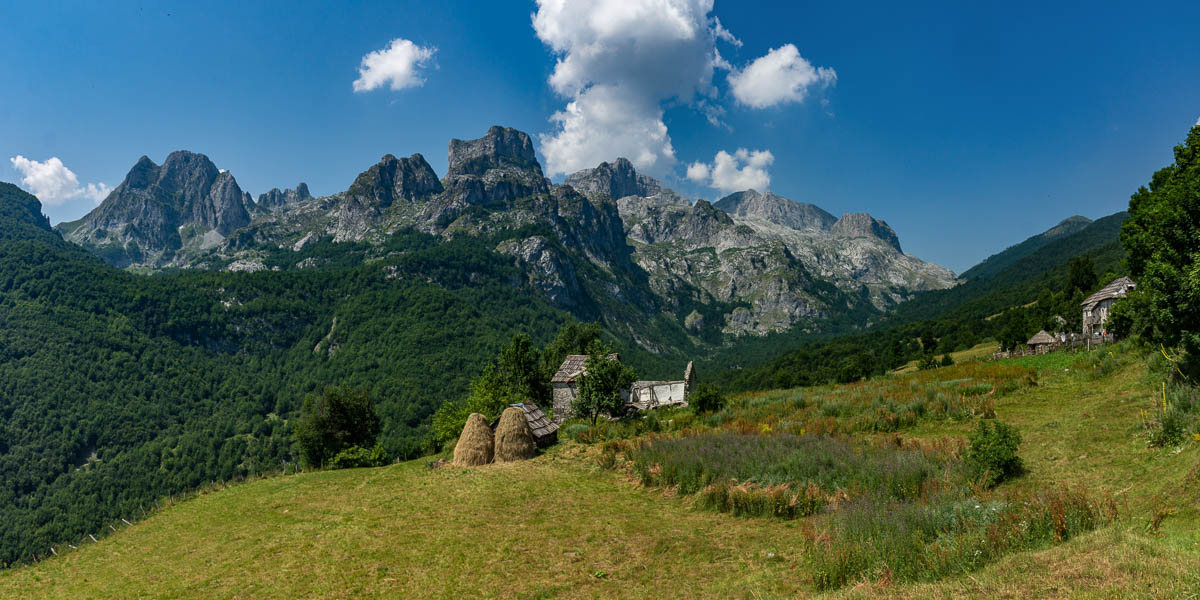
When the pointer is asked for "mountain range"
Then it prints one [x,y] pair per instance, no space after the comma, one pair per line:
[750,263]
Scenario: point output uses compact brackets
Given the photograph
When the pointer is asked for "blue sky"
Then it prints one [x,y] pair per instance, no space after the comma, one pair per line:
[967,128]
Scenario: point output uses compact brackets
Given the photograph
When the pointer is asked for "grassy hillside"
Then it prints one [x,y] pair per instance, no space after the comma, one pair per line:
[561,526]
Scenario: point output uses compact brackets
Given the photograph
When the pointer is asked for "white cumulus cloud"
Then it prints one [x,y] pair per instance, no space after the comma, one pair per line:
[53,183]
[399,65]
[778,77]
[618,62]
[742,170]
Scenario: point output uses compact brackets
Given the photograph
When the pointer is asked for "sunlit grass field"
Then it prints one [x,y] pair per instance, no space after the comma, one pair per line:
[576,523]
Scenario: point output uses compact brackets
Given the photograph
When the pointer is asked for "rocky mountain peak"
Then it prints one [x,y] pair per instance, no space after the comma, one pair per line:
[276,197]
[864,225]
[393,179]
[773,208]
[140,222]
[616,180]
[500,147]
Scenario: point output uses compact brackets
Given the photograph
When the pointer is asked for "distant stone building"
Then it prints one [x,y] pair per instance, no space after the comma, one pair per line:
[647,395]
[1096,307]
[565,384]
[1042,342]
[642,395]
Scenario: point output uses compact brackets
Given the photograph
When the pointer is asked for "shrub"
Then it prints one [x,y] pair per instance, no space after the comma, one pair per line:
[707,398]
[947,361]
[992,454]
[1171,430]
[356,456]
[577,432]
[929,361]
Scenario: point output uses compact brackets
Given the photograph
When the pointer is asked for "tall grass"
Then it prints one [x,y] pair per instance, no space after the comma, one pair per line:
[884,511]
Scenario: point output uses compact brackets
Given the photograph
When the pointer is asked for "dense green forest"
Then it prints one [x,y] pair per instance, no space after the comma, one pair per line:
[117,389]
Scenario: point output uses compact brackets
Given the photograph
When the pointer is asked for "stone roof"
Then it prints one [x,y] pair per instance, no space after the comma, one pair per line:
[1115,289]
[1041,337]
[573,366]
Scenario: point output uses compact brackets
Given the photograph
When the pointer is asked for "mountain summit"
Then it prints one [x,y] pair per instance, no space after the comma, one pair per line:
[158,210]
[610,243]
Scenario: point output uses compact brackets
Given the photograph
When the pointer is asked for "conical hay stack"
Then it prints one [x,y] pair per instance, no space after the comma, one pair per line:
[514,440]
[475,444]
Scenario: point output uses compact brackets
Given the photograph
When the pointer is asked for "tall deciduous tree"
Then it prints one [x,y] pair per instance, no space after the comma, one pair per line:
[333,421]
[1162,236]
[601,385]
[1082,274]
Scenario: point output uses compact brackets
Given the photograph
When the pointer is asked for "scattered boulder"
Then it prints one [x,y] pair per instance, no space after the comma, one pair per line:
[475,444]
[514,440]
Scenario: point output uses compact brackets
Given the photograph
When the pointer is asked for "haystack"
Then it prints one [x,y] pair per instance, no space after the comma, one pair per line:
[475,444]
[514,440]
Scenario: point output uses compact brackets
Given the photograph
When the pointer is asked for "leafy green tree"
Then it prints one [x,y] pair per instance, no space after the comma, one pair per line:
[706,398]
[573,338]
[1162,235]
[601,386]
[1082,274]
[513,377]
[1015,332]
[336,419]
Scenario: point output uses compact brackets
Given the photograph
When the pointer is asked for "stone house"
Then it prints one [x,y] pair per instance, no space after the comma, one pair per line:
[564,386]
[642,395]
[1096,306]
[647,395]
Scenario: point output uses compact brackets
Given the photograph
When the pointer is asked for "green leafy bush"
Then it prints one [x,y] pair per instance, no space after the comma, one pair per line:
[356,456]
[577,432]
[992,454]
[707,398]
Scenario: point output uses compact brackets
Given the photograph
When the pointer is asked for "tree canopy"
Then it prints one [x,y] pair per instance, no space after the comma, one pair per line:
[1162,236]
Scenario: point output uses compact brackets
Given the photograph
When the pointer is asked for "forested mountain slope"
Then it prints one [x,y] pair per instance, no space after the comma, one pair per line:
[116,389]
[996,263]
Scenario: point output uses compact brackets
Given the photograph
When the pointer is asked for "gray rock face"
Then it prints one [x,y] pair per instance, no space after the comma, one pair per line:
[500,148]
[161,212]
[773,253]
[616,180]
[864,225]
[394,180]
[492,172]
[800,216]
[276,197]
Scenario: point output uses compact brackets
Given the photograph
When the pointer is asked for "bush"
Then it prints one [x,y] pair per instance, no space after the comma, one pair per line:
[992,454]
[577,432]
[1172,428]
[356,456]
[929,361]
[707,398]
[947,361]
